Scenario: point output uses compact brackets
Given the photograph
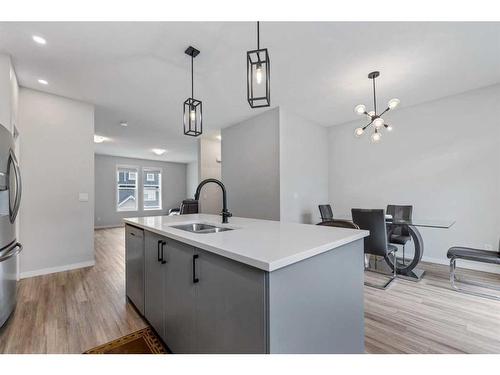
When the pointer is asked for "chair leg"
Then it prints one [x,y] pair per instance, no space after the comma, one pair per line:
[454,279]
[392,276]
[404,259]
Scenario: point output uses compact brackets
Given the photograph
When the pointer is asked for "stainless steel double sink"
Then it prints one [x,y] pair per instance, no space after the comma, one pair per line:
[201,228]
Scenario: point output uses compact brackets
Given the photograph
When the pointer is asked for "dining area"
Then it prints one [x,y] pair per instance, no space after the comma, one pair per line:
[395,247]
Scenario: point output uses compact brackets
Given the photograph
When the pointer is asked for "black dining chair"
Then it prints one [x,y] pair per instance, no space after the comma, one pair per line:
[376,243]
[326,212]
[400,234]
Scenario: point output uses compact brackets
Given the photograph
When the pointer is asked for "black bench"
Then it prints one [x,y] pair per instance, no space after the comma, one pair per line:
[475,255]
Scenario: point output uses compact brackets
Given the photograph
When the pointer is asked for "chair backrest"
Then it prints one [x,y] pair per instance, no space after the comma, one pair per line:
[374,221]
[339,224]
[399,212]
[189,206]
[326,212]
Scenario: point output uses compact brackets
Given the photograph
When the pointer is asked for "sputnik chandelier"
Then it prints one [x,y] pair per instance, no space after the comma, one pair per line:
[376,120]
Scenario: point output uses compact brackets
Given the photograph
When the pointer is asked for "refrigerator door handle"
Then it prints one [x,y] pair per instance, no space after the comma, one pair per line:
[13,251]
[14,209]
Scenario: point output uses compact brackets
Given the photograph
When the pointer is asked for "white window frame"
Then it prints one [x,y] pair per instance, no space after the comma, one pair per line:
[145,173]
[150,177]
[136,193]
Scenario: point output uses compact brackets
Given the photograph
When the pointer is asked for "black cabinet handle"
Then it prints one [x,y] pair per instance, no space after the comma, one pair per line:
[159,245]
[132,234]
[163,261]
[195,279]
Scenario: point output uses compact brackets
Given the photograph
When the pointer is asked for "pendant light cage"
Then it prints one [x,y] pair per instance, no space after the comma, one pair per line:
[192,108]
[258,76]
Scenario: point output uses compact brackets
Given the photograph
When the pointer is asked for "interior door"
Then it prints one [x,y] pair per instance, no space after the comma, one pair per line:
[180,297]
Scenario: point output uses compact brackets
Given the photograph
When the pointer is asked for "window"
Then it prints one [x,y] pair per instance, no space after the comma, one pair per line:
[152,189]
[126,189]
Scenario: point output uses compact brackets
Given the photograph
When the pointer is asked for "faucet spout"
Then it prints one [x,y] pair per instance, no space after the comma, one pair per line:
[225,213]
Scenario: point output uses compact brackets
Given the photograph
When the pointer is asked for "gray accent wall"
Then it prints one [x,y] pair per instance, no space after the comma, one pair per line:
[303,168]
[106,215]
[250,166]
[275,166]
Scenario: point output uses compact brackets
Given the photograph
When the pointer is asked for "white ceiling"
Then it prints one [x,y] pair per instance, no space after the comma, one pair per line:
[138,72]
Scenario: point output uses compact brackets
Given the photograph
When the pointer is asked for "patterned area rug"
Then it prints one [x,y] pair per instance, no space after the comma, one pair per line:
[143,341]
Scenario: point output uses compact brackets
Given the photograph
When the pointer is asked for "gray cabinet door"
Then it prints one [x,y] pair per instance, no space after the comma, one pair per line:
[134,266]
[180,297]
[230,306]
[154,284]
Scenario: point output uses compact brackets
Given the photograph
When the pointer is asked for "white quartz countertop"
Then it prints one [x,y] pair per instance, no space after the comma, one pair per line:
[265,244]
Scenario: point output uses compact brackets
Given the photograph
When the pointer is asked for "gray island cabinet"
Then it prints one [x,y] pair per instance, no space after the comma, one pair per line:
[202,302]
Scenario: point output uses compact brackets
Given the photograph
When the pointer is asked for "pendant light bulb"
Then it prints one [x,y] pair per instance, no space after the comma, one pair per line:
[389,128]
[378,122]
[192,114]
[393,103]
[376,137]
[258,74]
[360,109]
[359,132]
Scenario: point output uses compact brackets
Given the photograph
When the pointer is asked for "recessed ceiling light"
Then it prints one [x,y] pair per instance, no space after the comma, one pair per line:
[43,82]
[38,39]
[159,151]
[99,138]
[124,124]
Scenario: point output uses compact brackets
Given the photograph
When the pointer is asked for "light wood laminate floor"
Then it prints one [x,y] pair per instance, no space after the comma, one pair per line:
[70,312]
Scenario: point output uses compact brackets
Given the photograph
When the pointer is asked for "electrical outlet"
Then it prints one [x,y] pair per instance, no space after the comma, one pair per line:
[488,246]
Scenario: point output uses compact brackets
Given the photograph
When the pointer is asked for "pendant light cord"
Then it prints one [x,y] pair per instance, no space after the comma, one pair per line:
[258,35]
[374,97]
[192,80]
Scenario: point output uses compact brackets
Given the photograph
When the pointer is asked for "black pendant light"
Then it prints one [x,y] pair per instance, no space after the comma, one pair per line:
[193,124]
[376,121]
[258,76]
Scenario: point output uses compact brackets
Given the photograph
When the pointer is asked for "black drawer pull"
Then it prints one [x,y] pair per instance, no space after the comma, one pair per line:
[163,261]
[132,234]
[159,245]
[195,279]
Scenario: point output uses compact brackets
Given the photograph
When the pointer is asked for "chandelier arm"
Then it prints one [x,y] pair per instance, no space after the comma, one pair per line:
[367,125]
[386,110]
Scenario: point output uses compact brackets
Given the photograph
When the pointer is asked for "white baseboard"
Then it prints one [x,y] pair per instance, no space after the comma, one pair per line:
[109,226]
[67,267]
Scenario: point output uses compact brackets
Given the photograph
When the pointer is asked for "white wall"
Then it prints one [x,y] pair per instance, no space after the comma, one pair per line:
[209,151]
[192,179]
[442,157]
[303,168]
[250,166]
[173,188]
[57,161]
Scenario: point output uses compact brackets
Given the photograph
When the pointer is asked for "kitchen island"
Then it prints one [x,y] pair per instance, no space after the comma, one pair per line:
[251,286]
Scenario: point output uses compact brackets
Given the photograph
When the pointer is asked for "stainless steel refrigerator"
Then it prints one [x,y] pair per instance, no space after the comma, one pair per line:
[10,198]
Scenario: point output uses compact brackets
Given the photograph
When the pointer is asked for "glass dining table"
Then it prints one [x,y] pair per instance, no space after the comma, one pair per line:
[408,270]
